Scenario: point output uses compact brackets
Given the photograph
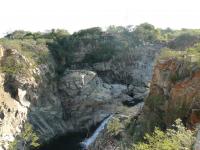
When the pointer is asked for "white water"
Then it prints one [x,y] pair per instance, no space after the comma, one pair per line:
[87,142]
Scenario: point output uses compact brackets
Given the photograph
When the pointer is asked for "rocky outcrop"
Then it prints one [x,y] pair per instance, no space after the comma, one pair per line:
[28,97]
[174,93]
[131,67]
[87,99]
[12,116]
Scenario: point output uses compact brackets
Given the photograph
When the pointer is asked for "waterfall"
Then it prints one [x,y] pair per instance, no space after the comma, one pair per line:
[88,141]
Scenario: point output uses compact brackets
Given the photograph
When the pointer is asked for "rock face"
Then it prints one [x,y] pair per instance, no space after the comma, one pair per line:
[29,97]
[12,116]
[174,93]
[86,98]
[78,99]
[132,68]
[104,74]
[55,105]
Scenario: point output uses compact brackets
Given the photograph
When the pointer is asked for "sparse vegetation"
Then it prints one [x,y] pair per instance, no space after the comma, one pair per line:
[31,54]
[28,138]
[184,41]
[114,127]
[154,101]
[35,51]
[100,45]
[176,138]
[11,66]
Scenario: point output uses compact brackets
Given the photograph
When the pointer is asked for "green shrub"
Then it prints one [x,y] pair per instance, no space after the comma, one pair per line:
[190,56]
[170,53]
[35,51]
[28,138]
[184,41]
[10,44]
[145,33]
[10,66]
[114,127]
[177,138]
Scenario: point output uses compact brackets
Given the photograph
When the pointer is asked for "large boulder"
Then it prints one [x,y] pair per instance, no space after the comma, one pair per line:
[87,99]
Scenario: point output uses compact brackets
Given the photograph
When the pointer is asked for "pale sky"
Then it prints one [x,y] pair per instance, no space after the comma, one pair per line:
[73,15]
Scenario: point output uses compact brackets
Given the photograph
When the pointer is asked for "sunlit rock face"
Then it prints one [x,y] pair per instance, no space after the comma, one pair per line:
[75,82]
[180,88]
[12,116]
[87,99]
[174,93]
[29,96]
[133,66]
[12,113]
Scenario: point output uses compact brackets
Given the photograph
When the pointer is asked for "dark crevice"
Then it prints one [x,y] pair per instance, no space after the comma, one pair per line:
[9,86]
[70,140]
[132,102]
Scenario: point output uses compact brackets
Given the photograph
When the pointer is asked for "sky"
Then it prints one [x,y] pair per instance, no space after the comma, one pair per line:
[73,15]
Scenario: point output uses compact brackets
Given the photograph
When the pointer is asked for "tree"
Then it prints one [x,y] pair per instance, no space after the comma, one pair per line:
[18,34]
[145,33]
[184,41]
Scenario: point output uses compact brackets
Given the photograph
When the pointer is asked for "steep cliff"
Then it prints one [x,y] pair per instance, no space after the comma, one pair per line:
[56,104]
[174,93]
[31,93]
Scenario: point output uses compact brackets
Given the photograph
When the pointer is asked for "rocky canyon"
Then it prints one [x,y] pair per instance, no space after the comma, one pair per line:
[56,85]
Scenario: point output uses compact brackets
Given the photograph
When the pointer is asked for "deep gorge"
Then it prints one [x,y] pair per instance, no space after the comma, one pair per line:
[56,89]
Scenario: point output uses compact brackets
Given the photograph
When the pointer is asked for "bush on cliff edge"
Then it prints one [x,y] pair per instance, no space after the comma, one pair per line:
[177,138]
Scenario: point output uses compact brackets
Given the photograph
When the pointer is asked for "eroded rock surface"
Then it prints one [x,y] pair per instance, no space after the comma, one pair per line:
[174,93]
[55,105]
[76,100]
[87,98]
[12,116]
